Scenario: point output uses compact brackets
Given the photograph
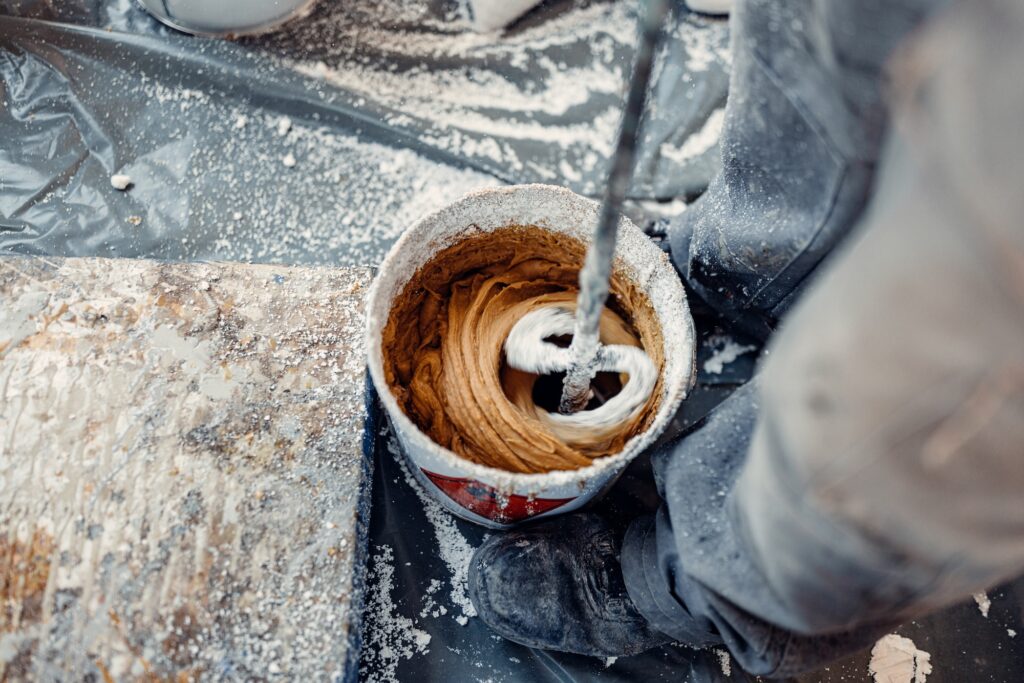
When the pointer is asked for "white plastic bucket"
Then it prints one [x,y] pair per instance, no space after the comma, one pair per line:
[227,18]
[486,495]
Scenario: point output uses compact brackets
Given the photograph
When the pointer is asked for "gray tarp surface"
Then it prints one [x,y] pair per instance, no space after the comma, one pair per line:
[396,109]
[392,109]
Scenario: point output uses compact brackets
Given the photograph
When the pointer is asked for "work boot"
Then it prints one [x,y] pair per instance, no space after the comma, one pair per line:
[558,586]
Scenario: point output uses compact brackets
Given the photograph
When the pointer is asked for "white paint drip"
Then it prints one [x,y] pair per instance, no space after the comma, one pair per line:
[895,659]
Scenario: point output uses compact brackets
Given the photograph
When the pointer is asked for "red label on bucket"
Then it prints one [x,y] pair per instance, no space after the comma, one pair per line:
[488,502]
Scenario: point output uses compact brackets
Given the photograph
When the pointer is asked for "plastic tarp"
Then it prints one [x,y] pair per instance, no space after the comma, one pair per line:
[319,145]
[395,109]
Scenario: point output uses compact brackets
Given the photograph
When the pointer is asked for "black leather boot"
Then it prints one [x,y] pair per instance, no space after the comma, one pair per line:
[558,586]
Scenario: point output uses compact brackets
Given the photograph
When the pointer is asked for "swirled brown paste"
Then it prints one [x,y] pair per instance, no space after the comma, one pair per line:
[443,342]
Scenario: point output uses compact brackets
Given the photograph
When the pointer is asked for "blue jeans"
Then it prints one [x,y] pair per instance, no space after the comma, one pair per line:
[804,127]
[873,472]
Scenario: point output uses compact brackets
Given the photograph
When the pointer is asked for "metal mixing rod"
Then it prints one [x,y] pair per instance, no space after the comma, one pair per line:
[597,268]
[527,347]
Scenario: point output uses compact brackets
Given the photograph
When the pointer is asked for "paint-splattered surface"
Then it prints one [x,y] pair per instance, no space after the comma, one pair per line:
[182,471]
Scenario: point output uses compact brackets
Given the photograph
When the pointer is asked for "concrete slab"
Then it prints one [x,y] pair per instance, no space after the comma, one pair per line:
[183,471]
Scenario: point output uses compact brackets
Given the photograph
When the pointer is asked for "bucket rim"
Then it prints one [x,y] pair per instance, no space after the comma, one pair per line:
[632,240]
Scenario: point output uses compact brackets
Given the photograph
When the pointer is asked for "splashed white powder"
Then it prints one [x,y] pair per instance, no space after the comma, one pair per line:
[726,661]
[895,659]
[453,89]
[984,604]
[453,547]
[389,636]
[726,350]
[376,191]
[430,606]
[700,141]
[703,47]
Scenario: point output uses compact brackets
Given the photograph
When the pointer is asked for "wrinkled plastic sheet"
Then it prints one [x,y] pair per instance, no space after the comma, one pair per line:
[394,110]
[417,539]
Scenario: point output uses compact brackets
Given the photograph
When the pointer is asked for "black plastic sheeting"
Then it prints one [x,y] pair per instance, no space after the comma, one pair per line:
[394,109]
[118,92]
[964,645]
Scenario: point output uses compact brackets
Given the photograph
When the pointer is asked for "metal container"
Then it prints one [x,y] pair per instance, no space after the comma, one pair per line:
[227,18]
[498,498]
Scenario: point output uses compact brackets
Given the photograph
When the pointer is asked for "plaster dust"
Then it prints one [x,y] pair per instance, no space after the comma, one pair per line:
[454,549]
[725,661]
[305,191]
[389,637]
[119,181]
[455,100]
[724,351]
[558,87]
[699,142]
[443,350]
[182,454]
[538,103]
[984,603]
[895,659]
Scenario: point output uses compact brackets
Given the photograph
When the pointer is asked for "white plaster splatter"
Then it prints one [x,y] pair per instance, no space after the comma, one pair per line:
[726,350]
[390,637]
[984,604]
[700,141]
[726,662]
[895,659]
[453,547]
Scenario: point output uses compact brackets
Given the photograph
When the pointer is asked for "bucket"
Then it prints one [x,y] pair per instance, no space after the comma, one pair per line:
[227,18]
[497,498]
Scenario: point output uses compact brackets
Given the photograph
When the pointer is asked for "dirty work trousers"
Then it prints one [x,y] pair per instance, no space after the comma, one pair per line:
[874,470]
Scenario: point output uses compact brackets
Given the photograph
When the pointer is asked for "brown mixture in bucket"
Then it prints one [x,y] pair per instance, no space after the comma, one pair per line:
[443,358]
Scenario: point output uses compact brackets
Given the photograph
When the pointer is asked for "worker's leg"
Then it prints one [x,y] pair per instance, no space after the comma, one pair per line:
[885,476]
[885,473]
[802,134]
